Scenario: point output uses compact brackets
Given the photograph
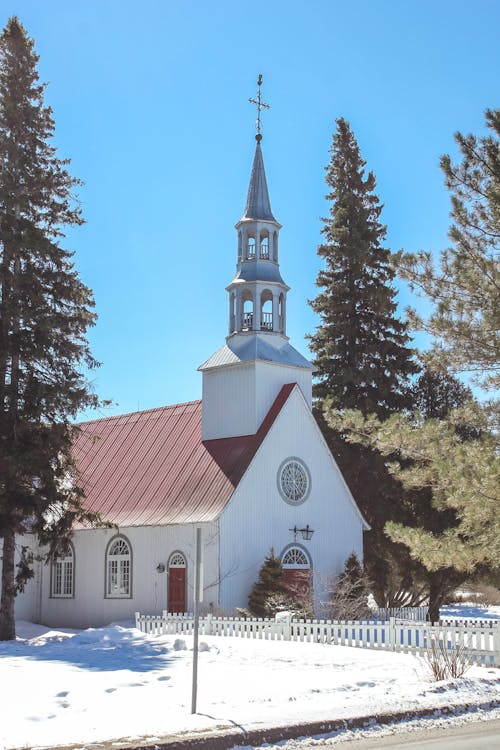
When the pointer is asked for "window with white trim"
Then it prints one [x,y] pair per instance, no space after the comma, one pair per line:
[294,481]
[118,568]
[62,574]
[295,557]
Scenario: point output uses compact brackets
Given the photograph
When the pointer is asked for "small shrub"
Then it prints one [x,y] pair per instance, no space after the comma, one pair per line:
[301,610]
[350,591]
[446,663]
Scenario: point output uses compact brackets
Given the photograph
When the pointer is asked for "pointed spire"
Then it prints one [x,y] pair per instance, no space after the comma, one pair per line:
[258,205]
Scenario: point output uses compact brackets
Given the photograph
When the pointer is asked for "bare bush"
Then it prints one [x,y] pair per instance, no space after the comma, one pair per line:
[446,663]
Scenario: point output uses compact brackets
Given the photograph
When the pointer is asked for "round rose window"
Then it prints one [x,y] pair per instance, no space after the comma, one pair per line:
[294,481]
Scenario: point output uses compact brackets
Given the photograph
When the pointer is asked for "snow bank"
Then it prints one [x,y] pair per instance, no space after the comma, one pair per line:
[64,686]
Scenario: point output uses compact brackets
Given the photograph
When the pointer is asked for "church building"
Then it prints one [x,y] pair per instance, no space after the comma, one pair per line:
[247,464]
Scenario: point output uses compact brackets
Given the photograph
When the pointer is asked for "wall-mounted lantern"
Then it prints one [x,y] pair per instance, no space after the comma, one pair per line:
[306,533]
[160,568]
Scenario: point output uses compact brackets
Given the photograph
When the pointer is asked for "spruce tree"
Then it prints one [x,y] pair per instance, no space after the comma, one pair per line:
[360,347]
[269,582]
[45,311]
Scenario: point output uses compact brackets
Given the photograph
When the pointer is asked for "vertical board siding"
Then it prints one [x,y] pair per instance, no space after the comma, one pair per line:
[258,514]
[150,546]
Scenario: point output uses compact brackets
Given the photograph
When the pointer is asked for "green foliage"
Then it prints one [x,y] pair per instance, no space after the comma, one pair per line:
[45,311]
[465,287]
[269,583]
[462,475]
[360,347]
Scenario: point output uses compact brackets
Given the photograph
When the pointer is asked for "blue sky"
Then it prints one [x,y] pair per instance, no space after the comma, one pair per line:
[151,105]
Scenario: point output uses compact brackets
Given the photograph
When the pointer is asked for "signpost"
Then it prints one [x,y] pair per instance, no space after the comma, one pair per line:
[197,599]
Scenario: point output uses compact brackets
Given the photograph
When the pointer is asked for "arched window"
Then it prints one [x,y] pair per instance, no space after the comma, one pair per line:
[119,568]
[62,574]
[295,557]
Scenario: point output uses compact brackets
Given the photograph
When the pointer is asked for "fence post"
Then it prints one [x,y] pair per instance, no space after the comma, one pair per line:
[496,644]
[284,619]
[392,633]
[208,624]
[137,625]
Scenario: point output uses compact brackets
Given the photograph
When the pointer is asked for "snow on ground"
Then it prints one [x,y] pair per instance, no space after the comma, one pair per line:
[64,686]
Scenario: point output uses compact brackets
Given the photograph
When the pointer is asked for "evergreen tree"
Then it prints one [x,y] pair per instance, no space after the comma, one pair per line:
[360,347]
[435,393]
[398,578]
[465,287]
[45,311]
[457,530]
[350,594]
[269,583]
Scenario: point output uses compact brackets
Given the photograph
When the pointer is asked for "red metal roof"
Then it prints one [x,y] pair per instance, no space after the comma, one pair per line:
[151,467]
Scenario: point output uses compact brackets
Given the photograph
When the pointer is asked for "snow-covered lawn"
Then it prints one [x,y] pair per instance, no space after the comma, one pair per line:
[59,686]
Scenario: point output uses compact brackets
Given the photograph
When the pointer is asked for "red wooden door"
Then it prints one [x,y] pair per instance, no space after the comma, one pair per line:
[298,583]
[176,590]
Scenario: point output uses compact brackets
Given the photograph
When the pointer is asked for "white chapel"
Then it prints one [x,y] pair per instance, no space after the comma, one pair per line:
[247,464]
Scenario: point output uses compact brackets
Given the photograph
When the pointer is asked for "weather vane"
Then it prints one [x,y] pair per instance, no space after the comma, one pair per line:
[260,106]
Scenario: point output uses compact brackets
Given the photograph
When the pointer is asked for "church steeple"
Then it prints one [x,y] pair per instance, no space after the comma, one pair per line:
[241,380]
[257,294]
[258,205]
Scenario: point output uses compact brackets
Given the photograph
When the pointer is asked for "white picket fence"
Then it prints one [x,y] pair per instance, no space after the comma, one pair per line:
[478,641]
[401,613]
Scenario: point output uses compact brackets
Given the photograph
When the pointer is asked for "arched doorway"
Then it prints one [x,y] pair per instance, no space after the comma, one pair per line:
[176,600]
[297,573]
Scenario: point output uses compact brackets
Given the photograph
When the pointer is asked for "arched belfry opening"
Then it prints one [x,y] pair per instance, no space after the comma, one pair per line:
[281,313]
[266,311]
[264,245]
[247,317]
[250,247]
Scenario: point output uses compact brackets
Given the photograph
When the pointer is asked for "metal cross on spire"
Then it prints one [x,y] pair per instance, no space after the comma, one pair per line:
[260,106]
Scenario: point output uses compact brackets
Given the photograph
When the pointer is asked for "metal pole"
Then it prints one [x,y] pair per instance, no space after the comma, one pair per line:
[197,577]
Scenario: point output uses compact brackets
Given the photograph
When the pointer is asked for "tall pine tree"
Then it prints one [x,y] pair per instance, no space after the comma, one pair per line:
[361,350]
[360,347]
[45,311]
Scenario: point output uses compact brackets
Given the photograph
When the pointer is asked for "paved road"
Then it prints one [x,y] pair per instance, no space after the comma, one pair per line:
[480,735]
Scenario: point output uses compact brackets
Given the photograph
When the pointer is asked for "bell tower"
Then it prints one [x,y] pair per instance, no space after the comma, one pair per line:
[242,379]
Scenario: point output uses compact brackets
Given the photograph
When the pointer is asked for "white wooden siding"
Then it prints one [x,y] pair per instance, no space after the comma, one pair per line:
[237,398]
[257,518]
[150,546]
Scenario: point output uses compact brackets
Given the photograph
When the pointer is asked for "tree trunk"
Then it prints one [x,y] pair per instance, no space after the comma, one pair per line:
[7,621]
[438,591]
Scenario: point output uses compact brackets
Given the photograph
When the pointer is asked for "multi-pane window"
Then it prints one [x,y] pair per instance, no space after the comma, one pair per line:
[294,482]
[118,568]
[62,574]
[294,557]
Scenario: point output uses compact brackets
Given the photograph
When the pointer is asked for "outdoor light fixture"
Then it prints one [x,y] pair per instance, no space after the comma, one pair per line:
[306,533]
[160,568]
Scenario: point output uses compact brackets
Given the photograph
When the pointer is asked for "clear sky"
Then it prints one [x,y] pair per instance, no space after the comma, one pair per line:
[151,105]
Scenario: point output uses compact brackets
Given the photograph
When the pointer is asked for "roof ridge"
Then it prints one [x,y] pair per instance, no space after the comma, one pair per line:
[139,411]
